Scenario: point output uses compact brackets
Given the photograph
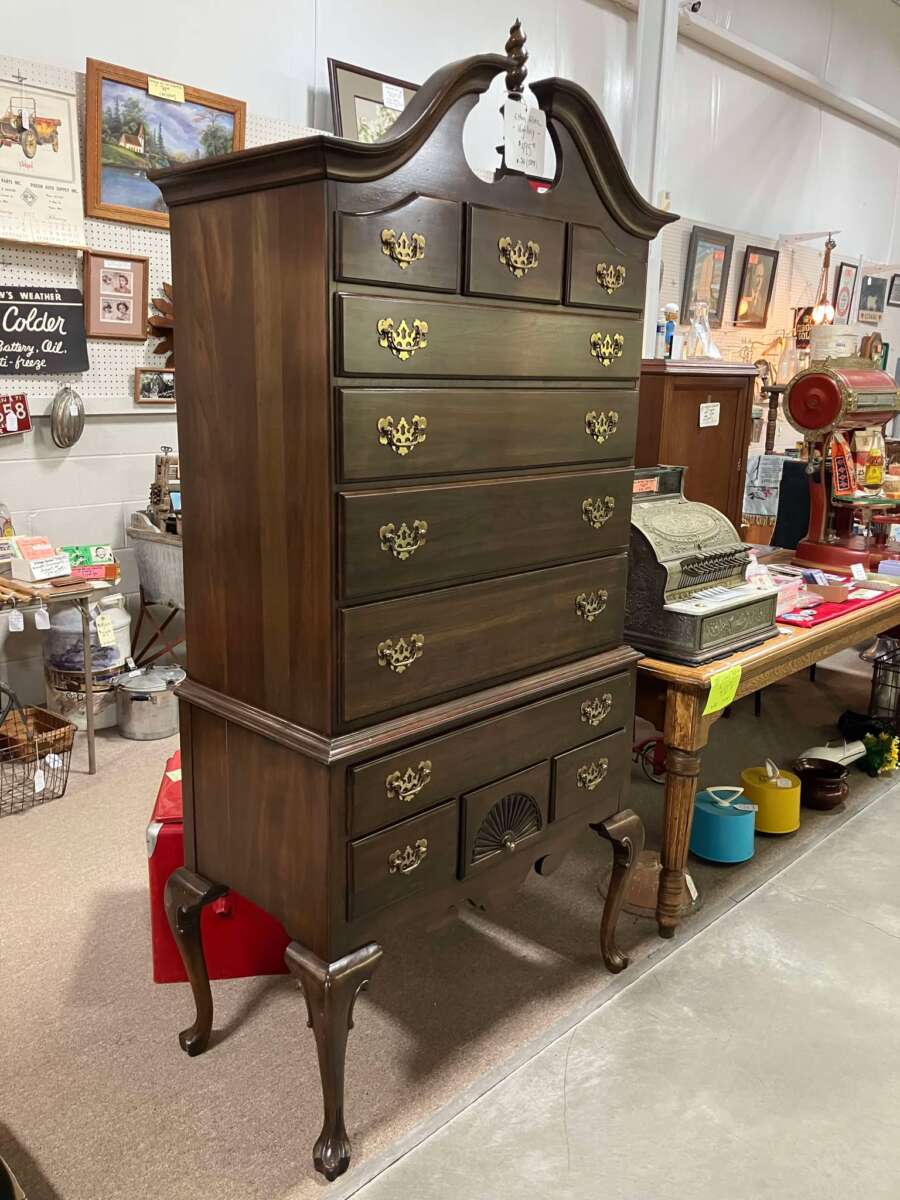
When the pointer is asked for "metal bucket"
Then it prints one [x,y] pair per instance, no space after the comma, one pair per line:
[146,705]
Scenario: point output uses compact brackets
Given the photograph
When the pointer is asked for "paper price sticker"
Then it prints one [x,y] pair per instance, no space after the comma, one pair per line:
[39,782]
[165,89]
[42,619]
[722,689]
[858,571]
[106,634]
[392,97]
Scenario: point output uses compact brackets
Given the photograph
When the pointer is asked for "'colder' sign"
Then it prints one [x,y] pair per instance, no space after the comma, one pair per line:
[42,331]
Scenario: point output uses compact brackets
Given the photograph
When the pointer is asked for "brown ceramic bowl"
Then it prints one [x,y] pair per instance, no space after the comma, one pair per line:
[823,784]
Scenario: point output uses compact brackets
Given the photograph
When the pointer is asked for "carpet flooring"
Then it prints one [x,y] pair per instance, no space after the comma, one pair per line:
[97,1102]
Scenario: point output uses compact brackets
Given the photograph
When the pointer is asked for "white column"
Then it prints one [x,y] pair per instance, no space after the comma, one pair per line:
[654,76]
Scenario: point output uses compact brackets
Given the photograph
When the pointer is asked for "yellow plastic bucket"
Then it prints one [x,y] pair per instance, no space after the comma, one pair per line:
[778,808]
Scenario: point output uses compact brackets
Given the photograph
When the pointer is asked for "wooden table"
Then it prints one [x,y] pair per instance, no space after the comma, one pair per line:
[673,697]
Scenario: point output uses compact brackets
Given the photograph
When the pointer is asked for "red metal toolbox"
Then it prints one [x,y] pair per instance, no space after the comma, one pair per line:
[238,937]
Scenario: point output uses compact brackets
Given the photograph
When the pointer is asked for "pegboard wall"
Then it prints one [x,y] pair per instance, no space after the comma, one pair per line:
[108,386]
[796,285]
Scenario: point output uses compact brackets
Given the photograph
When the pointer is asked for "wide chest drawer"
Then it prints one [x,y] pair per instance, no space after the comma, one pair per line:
[399,785]
[403,433]
[399,653]
[408,539]
[381,335]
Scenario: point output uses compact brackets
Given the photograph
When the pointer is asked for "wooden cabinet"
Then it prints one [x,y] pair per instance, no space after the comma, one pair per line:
[673,428]
[406,453]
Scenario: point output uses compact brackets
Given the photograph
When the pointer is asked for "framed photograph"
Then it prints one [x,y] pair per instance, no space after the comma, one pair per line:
[154,385]
[755,290]
[706,273]
[115,295]
[844,287]
[872,292]
[893,296]
[364,104]
[134,124]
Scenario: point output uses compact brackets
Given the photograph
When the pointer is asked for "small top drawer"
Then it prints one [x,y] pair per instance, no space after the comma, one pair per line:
[603,274]
[514,256]
[415,244]
[592,776]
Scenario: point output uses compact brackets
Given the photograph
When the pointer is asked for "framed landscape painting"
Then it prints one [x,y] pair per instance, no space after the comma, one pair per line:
[132,129]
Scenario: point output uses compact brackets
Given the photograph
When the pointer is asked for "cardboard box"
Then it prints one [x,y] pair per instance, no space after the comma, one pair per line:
[833,593]
[35,570]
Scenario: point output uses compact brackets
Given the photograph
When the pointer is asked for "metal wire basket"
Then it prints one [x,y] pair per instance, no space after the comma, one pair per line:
[35,752]
[884,699]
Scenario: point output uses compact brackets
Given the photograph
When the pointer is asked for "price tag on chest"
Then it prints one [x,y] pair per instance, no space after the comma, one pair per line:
[709,414]
[524,137]
[14,415]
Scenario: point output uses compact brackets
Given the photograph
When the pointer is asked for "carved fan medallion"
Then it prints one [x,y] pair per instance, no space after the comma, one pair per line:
[509,822]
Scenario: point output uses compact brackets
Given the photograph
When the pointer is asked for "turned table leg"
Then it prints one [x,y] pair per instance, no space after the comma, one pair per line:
[626,832]
[187,895]
[682,769]
[330,990]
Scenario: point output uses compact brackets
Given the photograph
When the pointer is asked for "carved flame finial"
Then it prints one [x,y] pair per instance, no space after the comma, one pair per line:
[518,57]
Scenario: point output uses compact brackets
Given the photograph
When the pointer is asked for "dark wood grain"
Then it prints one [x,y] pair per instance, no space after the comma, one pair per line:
[669,429]
[478,632]
[466,531]
[488,274]
[625,830]
[569,795]
[432,841]
[460,761]
[588,249]
[483,340]
[359,247]
[533,784]
[186,895]
[252,332]
[482,429]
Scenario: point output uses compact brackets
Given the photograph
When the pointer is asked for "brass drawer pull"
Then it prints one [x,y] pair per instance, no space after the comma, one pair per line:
[597,709]
[407,860]
[406,785]
[402,342]
[605,347]
[520,259]
[402,248]
[589,605]
[401,654]
[609,275]
[403,542]
[592,774]
[597,512]
[403,436]
[599,426]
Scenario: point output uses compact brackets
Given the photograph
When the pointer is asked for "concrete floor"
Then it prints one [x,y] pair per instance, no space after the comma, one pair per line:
[759,1060]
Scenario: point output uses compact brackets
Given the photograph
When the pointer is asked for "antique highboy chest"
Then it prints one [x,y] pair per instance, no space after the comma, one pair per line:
[407,404]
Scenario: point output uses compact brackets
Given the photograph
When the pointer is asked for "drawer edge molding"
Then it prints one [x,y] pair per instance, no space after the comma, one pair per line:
[386,736]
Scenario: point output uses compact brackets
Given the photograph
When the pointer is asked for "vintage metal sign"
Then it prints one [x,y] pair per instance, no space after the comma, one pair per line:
[14,415]
[42,331]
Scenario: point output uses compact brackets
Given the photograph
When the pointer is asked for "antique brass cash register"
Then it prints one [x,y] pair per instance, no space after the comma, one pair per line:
[687,597]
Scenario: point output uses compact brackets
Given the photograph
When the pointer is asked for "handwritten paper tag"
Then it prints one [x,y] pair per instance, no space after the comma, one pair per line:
[165,89]
[42,618]
[392,97]
[39,782]
[106,634]
[722,689]
[524,137]
[858,571]
[709,414]
[16,621]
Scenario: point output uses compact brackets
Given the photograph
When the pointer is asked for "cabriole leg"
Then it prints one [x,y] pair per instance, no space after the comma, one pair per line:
[331,990]
[625,831]
[187,895]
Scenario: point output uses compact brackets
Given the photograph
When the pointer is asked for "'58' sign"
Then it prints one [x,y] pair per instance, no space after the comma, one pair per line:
[14,415]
